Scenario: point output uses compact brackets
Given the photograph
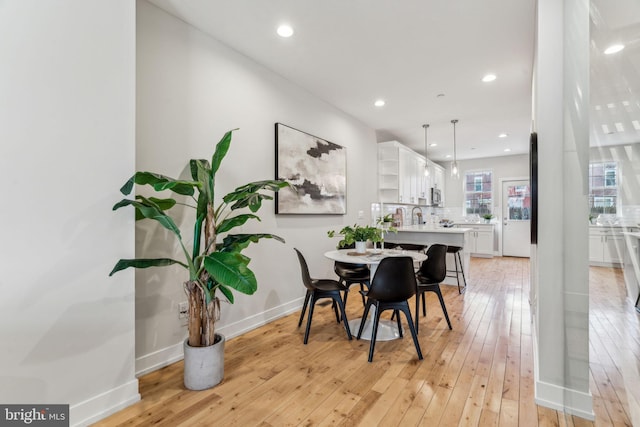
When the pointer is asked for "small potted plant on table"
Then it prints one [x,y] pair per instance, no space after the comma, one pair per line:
[359,235]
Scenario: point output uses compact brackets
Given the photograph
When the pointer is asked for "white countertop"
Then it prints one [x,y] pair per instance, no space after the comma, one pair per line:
[612,226]
[428,228]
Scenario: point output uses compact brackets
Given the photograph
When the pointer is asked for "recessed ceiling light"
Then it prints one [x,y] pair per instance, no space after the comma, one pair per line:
[448,156]
[619,127]
[489,78]
[614,48]
[502,135]
[379,103]
[440,95]
[433,144]
[285,30]
[636,124]
[506,150]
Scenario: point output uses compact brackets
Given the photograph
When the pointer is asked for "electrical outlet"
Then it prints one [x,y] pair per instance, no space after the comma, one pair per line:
[183,310]
[183,313]
[360,214]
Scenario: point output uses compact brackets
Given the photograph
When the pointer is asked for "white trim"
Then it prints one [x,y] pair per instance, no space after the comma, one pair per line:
[561,399]
[174,353]
[93,409]
[501,204]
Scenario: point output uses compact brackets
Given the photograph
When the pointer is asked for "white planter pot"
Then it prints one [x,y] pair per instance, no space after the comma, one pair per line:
[203,366]
[361,247]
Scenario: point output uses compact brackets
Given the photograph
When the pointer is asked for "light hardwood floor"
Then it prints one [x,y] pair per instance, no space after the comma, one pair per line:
[478,374]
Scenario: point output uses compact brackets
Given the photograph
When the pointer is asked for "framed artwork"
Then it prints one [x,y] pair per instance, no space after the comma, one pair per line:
[316,169]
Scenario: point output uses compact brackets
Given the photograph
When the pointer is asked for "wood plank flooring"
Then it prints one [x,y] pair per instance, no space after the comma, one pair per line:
[478,374]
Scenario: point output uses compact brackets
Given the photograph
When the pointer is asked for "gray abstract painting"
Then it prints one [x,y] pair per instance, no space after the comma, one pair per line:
[317,170]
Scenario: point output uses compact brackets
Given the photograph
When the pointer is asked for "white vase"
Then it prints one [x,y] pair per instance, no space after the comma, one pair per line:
[361,247]
[203,366]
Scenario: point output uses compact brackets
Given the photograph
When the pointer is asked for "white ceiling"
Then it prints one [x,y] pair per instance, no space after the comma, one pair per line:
[350,53]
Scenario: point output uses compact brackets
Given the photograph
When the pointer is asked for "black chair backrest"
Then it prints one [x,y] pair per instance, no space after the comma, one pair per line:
[394,280]
[435,266]
[412,247]
[304,268]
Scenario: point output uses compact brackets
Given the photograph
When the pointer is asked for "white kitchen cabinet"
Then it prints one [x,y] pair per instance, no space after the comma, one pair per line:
[400,174]
[480,239]
[607,246]
[435,180]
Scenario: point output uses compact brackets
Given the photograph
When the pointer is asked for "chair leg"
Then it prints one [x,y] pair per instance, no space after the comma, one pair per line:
[418,308]
[361,294]
[343,313]
[444,307]
[463,278]
[346,294]
[312,303]
[414,332]
[304,307]
[374,333]
[424,305]
[364,319]
[395,313]
[335,310]
[456,256]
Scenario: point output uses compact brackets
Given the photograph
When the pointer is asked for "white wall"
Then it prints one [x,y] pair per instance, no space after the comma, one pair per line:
[67,141]
[516,166]
[190,90]
[561,326]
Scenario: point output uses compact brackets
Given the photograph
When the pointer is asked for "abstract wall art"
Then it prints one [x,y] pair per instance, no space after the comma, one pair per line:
[316,169]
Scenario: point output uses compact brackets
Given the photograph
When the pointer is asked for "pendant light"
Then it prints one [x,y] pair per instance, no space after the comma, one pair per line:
[426,161]
[455,172]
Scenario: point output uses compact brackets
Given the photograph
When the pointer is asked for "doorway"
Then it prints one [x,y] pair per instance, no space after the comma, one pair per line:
[516,218]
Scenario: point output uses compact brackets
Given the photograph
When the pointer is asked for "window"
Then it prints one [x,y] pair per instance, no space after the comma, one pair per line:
[603,188]
[478,192]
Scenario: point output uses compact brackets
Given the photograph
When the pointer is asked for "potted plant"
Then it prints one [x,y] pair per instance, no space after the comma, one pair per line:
[487,217]
[213,265]
[359,235]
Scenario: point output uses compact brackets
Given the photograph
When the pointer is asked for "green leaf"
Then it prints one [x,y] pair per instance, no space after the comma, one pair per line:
[236,221]
[197,236]
[148,209]
[230,269]
[159,183]
[253,187]
[226,292]
[221,150]
[144,263]
[237,242]
[201,172]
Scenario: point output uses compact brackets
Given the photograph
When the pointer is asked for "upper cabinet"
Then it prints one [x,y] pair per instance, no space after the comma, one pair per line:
[401,177]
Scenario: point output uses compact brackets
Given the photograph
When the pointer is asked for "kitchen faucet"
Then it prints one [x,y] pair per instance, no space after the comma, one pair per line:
[418,215]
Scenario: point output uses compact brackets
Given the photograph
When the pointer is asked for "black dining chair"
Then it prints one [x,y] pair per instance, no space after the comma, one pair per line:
[432,272]
[392,285]
[352,274]
[318,289]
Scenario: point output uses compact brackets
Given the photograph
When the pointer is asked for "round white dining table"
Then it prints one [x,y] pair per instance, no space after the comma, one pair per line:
[387,330]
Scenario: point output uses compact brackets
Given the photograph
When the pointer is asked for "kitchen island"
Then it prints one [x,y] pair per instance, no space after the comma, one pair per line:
[429,234]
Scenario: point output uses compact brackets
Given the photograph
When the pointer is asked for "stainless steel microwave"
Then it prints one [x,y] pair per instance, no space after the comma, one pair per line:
[436,197]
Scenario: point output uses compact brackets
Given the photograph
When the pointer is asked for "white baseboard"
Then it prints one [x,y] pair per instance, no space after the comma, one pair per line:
[565,400]
[561,399]
[168,355]
[159,359]
[105,404]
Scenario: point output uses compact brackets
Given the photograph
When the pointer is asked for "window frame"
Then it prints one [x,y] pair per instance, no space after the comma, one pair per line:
[597,196]
[478,174]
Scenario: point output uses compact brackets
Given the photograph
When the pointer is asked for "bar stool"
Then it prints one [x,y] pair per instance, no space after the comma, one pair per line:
[455,250]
